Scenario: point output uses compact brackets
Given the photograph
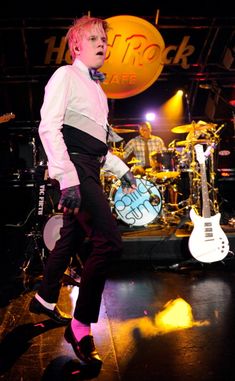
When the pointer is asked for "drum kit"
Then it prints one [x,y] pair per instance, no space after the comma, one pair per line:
[207,135]
[158,196]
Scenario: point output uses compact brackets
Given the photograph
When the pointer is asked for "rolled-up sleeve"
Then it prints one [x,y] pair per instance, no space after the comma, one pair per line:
[115,165]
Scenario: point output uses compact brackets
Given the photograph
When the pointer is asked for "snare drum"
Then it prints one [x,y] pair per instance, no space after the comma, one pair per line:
[51,231]
[140,207]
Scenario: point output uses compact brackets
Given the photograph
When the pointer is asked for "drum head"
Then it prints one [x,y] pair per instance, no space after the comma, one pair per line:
[51,232]
[140,207]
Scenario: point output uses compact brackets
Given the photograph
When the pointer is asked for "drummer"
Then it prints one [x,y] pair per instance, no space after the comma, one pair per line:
[142,147]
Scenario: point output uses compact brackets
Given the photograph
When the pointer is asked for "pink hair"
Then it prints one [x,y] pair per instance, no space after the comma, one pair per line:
[77,30]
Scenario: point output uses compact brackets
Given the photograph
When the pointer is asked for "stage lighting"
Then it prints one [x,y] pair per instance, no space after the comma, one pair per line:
[150,116]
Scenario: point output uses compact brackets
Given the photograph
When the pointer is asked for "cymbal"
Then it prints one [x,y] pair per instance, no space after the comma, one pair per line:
[193,126]
[133,161]
[192,141]
[167,175]
[122,130]
[117,152]
[163,175]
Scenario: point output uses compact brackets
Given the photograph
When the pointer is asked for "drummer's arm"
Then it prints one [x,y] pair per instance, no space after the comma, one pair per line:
[128,149]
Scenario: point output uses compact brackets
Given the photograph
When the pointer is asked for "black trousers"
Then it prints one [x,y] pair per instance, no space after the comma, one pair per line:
[96,222]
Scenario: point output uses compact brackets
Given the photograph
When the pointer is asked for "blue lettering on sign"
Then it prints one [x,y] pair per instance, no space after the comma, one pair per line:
[137,208]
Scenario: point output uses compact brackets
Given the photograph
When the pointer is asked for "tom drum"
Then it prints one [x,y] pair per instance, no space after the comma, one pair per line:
[166,164]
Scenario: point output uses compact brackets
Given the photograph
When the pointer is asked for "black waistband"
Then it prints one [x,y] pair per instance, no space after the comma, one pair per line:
[100,158]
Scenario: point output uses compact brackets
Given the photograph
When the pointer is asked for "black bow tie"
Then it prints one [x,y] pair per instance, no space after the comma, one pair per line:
[96,75]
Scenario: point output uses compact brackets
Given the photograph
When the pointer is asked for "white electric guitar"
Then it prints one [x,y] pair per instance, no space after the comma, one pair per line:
[207,242]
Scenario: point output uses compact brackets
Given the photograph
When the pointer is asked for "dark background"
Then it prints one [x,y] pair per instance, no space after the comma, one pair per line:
[23,77]
[210,26]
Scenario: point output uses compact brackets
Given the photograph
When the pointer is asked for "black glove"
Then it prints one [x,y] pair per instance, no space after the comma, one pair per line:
[70,197]
[128,180]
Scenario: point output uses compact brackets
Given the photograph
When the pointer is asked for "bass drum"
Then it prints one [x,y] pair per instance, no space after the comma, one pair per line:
[140,207]
[51,231]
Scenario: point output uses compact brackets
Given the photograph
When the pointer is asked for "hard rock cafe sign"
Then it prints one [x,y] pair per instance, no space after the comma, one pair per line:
[136,56]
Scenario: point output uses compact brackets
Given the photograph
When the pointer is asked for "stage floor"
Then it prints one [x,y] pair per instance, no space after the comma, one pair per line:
[194,340]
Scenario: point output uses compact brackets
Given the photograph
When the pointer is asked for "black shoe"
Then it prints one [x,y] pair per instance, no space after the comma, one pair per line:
[58,316]
[84,349]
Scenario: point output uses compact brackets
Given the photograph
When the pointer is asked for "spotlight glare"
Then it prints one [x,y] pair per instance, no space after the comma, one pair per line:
[180,92]
[150,116]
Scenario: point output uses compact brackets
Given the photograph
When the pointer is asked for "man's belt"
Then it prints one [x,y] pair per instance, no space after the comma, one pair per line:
[100,158]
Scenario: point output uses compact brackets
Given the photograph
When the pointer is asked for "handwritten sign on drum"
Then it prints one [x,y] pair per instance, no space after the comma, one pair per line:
[140,207]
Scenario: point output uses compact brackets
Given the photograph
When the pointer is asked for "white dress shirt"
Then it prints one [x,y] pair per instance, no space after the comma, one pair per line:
[73,98]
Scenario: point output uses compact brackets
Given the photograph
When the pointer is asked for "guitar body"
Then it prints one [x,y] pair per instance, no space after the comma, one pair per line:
[207,242]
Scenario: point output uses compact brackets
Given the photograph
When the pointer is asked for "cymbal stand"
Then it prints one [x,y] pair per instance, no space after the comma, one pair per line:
[194,199]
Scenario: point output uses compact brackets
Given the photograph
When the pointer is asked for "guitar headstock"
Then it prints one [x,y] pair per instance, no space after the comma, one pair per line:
[200,153]
[7,117]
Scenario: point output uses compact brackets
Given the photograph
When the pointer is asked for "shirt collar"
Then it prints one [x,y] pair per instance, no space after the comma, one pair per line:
[81,66]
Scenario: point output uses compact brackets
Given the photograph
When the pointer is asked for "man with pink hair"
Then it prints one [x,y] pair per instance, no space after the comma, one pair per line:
[74,131]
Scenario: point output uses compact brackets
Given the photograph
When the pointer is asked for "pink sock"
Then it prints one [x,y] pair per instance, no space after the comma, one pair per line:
[80,329]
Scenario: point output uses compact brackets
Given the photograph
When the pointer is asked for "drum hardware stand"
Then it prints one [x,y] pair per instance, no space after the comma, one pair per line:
[35,247]
[165,213]
[32,251]
[34,149]
[194,199]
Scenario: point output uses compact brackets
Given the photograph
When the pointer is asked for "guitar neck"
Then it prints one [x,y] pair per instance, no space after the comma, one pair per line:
[205,194]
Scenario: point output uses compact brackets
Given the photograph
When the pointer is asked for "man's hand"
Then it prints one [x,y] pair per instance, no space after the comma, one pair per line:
[70,200]
[128,182]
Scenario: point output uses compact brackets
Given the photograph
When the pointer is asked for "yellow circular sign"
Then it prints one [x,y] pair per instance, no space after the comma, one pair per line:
[134,57]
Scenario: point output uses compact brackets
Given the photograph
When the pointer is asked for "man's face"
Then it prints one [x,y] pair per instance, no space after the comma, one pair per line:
[93,48]
[145,132]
